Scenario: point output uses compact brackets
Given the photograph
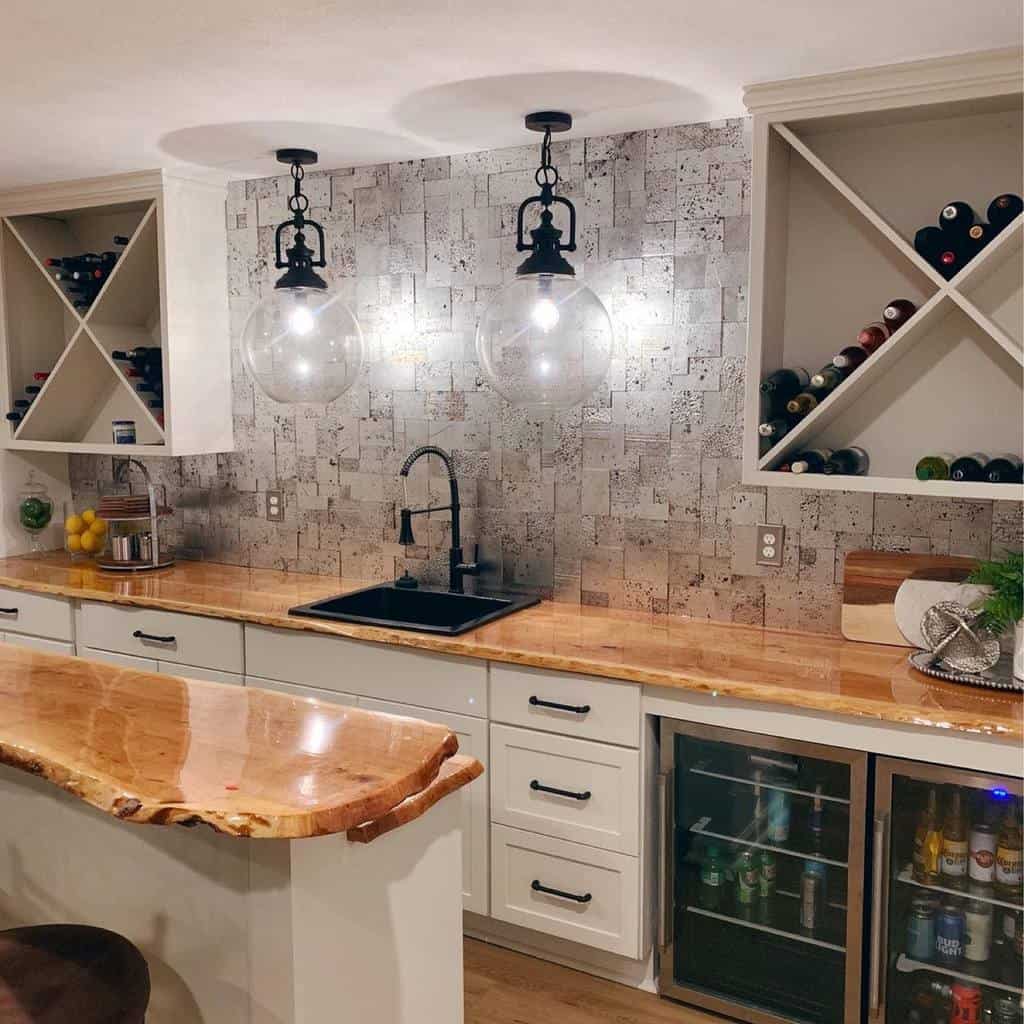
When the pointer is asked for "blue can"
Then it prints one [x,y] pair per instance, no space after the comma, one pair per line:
[820,871]
[921,929]
[950,935]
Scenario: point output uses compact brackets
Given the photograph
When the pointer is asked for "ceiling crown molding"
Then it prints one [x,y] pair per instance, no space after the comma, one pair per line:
[961,76]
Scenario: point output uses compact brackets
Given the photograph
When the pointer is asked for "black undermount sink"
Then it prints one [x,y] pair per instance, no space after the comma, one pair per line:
[426,611]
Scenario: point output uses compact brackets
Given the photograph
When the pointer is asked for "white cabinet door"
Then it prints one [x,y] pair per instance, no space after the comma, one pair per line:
[472,736]
[295,690]
[369,669]
[122,660]
[567,788]
[38,643]
[211,675]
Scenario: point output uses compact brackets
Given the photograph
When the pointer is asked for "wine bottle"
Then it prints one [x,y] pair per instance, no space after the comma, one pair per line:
[784,384]
[957,218]
[22,403]
[156,403]
[40,375]
[978,236]
[1004,209]
[800,405]
[121,239]
[847,462]
[32,389]
[850,358]
[953,257]
[933,467]
[929,242]
[872,336]
[969,468]
[1004,469]
[775,429]
[897,313]
[827,378]
[14,417]
[811,461]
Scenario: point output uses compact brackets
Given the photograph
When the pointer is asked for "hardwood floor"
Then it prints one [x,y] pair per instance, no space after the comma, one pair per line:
[509,988]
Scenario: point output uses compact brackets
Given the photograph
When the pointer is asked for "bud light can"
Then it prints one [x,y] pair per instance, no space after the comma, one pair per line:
[950,933]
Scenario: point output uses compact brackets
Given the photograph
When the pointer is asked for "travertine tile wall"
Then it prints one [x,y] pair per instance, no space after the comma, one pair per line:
[632,501]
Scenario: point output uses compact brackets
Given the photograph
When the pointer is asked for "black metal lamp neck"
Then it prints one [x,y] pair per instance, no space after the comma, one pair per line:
[299,259]
[546,245]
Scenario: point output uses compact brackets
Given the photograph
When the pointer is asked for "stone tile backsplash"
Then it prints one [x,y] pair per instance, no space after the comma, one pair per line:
[632,501]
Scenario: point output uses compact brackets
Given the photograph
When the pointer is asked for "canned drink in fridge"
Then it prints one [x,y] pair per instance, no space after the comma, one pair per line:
[949,935]
[810,901]
[965,1003]
[746,878]
[820,871]
[982,858]
[766,876]
[978,932]
[921,929]
[778,816]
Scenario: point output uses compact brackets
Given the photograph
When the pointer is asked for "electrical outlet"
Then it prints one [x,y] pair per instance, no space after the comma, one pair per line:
[275,506]
[770,540]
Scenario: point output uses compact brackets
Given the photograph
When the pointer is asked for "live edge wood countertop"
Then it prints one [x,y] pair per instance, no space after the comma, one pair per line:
[155,749]
[809,671]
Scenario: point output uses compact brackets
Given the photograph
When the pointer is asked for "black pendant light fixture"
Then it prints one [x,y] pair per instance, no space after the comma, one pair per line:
[301,342]
[545,341]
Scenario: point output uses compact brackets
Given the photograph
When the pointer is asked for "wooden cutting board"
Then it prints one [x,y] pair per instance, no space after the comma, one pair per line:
[870,582]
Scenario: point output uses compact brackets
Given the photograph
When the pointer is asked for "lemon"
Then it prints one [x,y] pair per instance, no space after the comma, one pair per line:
[88,516]
[98,526]
[89,541]
[73,524]
[74,542]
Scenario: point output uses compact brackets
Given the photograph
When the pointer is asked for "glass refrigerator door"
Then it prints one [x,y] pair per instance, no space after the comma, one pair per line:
[763,868]
[946,927]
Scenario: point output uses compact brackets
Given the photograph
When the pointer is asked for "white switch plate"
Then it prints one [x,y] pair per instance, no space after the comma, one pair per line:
[275,506]
[770,541]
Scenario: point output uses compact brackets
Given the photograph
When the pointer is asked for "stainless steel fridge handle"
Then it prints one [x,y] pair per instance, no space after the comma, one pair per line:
[663,909]
[879,869]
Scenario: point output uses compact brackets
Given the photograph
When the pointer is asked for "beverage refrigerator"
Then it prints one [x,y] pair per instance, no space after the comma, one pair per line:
[794,890]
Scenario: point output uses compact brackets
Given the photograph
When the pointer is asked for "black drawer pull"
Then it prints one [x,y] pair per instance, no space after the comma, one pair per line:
[576,709]
[139,635]
[9,611]
[537,887]
[541,788]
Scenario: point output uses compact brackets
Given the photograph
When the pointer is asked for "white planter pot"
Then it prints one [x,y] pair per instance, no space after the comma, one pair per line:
[1018,650]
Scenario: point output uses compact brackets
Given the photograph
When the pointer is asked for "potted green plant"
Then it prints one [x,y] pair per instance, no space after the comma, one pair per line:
[1003,608]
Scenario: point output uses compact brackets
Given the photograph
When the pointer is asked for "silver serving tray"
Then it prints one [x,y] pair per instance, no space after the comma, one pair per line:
[998,677]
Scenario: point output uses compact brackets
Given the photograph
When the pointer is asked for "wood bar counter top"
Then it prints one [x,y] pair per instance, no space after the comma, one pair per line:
[808,671]
[155,749]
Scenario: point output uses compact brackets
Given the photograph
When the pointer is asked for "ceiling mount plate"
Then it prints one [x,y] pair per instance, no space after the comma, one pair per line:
[305,157]
[549,120]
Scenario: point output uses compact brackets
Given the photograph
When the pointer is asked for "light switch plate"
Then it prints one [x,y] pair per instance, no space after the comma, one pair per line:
[275,506]
[770,541]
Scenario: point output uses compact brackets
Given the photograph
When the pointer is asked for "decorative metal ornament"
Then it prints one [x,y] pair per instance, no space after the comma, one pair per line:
[546,339]
[301,342]
[955,639]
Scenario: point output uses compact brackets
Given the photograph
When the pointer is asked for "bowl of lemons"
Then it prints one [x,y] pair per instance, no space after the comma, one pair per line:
[85,534]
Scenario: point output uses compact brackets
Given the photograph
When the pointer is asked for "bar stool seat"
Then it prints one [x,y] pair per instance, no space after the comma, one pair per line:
[71,974]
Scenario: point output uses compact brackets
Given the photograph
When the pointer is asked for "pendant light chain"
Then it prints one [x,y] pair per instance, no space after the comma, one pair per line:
[297,202]
[546,175]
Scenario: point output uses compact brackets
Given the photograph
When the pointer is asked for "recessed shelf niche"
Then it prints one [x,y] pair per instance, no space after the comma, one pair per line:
[841,184]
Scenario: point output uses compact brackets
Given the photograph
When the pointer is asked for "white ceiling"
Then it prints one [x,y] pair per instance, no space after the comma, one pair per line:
[118,85]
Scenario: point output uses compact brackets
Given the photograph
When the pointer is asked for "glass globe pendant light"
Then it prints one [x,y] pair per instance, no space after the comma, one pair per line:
[301,343]
[546,340]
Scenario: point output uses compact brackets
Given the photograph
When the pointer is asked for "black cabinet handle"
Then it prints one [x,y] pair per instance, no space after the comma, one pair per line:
[576,709]
[537,887]
[541,788]
[139,635]
[8,611]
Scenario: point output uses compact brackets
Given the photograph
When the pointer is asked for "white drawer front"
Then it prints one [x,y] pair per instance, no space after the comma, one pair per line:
[166,636]
[369,669]
[38,643]
[328,696]
[593,709]
[609,919]
[211,675]
[38,614]
[472,735]
[122,660]
[604,782]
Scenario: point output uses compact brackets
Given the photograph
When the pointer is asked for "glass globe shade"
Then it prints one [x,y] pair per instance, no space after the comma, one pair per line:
[302,345]
[545,341]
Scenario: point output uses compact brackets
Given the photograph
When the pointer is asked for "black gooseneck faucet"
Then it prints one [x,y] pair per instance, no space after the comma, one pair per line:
[457,568]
